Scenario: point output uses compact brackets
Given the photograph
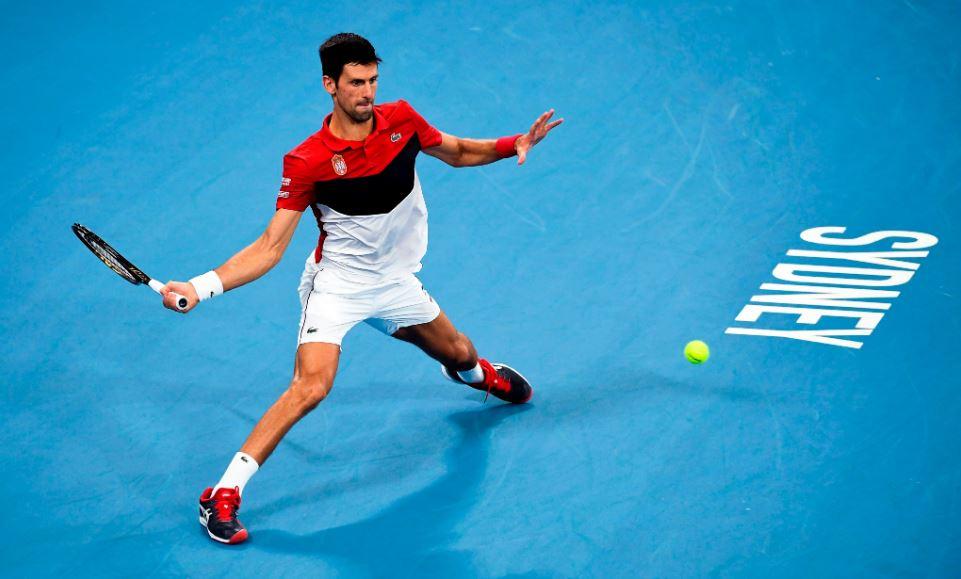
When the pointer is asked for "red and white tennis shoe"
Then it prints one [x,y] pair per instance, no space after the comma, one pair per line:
[500,380]
[218,514]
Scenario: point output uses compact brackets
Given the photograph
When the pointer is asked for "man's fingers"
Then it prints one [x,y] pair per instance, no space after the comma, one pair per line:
[540,127]
[537,122]
[170,302]
[538,131]
[541,120]
[546,117]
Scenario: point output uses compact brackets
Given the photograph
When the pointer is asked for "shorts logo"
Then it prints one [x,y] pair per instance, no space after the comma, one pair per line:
[340,165]
[283,194]
[395,137]
[311,330]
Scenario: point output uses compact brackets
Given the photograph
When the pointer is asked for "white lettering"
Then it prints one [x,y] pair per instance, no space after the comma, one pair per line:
[818,235]
[817,285]
[880,258]
[787,272]
[820,295]
[819,336]
[866,320]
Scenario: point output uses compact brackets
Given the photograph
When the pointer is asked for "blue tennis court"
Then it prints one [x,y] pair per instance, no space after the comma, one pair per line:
[700,141]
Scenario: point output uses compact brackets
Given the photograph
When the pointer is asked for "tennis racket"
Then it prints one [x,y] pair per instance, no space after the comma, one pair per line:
[112,259]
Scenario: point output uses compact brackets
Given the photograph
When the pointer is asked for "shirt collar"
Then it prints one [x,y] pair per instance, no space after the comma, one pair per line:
[337,144]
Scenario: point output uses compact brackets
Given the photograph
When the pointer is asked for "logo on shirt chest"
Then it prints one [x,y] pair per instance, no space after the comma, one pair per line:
[395,137]
[340,165]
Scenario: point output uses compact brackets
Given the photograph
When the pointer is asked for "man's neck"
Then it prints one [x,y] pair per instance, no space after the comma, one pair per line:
[344,127]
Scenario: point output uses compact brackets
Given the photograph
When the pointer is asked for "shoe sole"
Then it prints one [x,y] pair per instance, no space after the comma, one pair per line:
[239,537]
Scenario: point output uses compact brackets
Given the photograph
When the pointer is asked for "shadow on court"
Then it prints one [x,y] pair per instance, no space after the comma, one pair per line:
[415,532]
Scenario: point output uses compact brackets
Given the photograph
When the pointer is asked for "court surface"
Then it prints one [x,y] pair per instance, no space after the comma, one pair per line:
[700,140]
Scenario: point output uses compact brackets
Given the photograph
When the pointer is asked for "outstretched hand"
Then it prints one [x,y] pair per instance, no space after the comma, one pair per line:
[538,131]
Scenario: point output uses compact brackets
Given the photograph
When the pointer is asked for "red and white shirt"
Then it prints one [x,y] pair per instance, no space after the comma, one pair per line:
[365,194]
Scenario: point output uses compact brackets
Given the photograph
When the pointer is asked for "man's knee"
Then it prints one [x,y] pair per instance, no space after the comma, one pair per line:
[308,390]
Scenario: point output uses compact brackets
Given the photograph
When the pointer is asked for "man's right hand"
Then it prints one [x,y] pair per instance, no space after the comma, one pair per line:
[185,289]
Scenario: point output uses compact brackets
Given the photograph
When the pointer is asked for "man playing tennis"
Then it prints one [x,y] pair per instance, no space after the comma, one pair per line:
[357,176]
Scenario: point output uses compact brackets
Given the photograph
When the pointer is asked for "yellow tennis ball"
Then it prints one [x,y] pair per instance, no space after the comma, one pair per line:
[696,352]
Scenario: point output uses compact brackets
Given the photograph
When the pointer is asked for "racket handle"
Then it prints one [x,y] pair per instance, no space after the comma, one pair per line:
[181,302]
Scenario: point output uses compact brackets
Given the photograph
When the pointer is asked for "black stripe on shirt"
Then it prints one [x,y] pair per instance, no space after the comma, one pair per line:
[375,194]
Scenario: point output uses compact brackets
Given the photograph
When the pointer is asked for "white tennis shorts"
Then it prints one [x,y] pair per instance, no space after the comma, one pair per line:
[332,304]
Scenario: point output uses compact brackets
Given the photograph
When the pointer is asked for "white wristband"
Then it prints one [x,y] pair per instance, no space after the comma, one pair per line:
[207,285]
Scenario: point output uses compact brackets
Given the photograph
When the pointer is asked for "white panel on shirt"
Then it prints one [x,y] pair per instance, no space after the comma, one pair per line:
[377,246]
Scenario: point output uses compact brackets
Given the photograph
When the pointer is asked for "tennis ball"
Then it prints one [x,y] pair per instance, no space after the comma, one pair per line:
[696,352]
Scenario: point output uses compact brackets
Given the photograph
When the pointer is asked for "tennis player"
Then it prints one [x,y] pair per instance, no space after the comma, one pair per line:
[357,176]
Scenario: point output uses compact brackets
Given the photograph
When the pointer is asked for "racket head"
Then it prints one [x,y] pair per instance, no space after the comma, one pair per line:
[110,256]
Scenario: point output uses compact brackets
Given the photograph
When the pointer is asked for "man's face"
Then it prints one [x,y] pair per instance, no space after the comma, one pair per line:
[354,91]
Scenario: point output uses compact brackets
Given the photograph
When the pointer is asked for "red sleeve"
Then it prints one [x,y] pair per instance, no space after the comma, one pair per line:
[296,187]
[426,134]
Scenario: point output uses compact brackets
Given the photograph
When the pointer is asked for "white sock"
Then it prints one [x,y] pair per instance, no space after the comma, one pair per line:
[241,468]
[473,376]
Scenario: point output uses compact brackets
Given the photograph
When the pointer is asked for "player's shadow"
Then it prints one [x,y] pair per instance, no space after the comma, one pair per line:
[413,535]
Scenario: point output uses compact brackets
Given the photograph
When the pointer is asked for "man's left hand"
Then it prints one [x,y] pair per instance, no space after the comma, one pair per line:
[538,131]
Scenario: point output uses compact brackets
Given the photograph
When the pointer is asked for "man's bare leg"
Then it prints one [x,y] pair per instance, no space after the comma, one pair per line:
[314,370]
[441,341]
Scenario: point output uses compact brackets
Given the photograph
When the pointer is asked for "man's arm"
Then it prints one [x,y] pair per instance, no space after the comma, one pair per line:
[249,263]
[458,152]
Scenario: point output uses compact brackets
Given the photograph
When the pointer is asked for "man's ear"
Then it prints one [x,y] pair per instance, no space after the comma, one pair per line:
[330,85]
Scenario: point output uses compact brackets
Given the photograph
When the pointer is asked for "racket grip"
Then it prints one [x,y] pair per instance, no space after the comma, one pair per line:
[181,302]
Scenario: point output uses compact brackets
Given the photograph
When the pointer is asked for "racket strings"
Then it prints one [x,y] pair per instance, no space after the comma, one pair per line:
[109,255]
[112,263]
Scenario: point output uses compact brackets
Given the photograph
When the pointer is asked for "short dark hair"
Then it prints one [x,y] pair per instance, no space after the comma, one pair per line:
[345,48]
